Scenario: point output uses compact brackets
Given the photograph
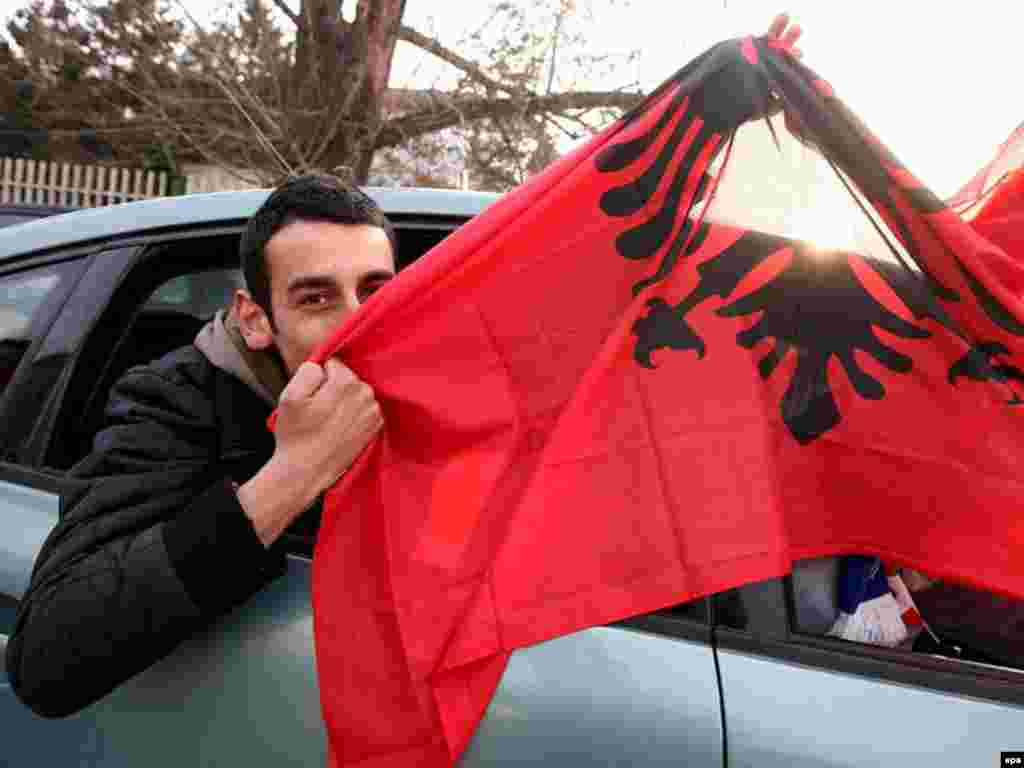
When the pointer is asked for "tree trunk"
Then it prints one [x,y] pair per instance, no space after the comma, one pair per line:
[361,168]
[372,36]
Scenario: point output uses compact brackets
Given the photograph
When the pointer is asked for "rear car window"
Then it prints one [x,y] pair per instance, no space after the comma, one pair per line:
[22,294]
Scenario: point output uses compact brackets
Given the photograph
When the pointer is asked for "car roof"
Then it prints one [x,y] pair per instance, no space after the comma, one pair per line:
[110,222]
[27,209]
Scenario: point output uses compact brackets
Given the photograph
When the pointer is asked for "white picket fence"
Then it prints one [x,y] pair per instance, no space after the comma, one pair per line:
[31,182]
[36,182]
[211,178]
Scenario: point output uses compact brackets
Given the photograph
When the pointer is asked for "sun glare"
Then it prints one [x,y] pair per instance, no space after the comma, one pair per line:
[826,226]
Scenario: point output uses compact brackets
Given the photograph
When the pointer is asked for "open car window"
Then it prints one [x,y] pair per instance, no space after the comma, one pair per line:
[800,619]
[173,289]
[862,599]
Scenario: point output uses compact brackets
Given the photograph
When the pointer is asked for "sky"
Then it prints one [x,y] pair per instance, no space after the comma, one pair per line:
[937,82]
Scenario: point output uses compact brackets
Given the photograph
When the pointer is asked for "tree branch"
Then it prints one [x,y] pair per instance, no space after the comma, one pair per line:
[475,73]
[289,13]
[491,168]
[468,109]
[206,152]
[559,127]
[554,49]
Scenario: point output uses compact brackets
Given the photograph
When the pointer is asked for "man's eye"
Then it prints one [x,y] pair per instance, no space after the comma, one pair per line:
[313,299]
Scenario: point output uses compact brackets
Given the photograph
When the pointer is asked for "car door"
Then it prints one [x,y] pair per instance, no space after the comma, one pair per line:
[35,339]
[241,692]
[793,698]
[640,693]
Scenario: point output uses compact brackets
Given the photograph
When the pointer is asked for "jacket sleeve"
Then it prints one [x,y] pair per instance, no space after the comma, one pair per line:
[152,545]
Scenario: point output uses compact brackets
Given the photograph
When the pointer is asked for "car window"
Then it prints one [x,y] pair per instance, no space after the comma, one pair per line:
[757,607]
[22,296]
[172,314]
[160,305]
[864,600]
[198,294]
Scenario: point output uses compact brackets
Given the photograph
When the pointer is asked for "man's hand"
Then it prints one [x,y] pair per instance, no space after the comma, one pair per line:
[326,416]
[788,34]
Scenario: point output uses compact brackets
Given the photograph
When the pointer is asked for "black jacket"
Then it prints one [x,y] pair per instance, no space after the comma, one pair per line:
[152,544]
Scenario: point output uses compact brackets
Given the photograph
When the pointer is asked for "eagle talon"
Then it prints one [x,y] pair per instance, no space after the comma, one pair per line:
[664,327]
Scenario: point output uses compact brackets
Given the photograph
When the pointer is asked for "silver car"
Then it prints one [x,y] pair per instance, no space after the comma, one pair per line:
[743,678]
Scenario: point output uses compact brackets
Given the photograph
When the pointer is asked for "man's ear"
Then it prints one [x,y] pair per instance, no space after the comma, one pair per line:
[253,322]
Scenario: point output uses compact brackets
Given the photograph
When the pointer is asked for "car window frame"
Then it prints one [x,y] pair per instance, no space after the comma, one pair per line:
[64,339]
[673,624]
[771,633]
[110,261]
[42,325]
[140,257]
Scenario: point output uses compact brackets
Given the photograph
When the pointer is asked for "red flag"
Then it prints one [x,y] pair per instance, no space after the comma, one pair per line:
[1000,220]
[1009,157]
[993,202]
[599,403]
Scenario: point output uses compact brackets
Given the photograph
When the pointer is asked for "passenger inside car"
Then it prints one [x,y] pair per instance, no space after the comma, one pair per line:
[859,599]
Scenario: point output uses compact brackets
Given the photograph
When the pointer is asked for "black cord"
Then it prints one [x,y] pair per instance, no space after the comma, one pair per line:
[878,229]
[914,274]
[718,677]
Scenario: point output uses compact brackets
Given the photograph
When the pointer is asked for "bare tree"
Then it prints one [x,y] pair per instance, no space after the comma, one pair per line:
[68,61]
[306,87]
[534,95]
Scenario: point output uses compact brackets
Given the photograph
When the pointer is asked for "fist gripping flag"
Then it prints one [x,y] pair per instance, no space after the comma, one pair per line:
[687,354]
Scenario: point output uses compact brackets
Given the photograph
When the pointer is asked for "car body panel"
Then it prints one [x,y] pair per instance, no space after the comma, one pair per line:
[782,714]
[20,213]
[241,692]
[244,692]
[607,696]
[28,515]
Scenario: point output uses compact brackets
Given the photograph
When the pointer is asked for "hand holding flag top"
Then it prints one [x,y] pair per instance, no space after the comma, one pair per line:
[784,35]
[599,402]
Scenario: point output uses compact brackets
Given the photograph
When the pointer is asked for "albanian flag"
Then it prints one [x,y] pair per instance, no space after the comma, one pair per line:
[630,383]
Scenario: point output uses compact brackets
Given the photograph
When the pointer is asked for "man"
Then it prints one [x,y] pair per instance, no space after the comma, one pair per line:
[185,493]
[179,505]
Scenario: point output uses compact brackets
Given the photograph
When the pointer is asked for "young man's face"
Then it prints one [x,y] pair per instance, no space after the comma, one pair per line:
[320,272]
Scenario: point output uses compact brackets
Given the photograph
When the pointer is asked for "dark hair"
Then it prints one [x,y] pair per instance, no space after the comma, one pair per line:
[312,197]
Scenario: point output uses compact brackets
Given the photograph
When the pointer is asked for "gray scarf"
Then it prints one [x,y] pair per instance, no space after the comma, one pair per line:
[220,340]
